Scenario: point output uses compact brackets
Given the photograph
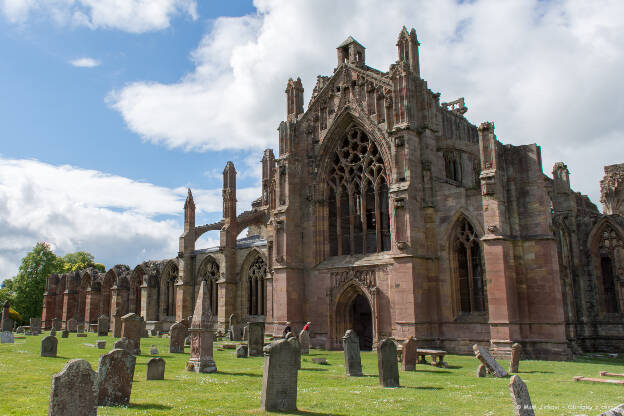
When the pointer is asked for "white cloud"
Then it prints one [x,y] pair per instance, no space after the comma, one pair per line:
[117,219]
[135,16]
[85,62]
[545,72]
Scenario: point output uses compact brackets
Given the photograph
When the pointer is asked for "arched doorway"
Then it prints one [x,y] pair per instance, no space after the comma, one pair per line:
[353,311]
[362,318]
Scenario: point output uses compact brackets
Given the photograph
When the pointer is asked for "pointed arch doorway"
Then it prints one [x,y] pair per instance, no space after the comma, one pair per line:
[353,311]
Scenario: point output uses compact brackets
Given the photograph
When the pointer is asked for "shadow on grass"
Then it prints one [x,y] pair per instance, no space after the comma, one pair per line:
[149,406]
[454,367]
[238,374]
[430,371]
[313,369]
[421,387]
[309,413]
[535,372]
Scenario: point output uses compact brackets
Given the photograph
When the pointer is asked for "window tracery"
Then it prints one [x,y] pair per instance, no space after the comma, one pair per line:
[611,252]
[256,287]
[209,272]
[359,219]
[469,269]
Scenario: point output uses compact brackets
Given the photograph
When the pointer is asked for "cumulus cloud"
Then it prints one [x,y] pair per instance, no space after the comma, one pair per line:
[545,72]
[135,16]
[85,62]
[117,219]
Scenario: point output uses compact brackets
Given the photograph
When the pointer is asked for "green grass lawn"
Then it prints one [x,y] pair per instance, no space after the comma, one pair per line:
[323,389]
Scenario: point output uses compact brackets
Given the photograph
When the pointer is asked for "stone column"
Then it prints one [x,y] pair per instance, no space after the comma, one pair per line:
[92,301]
[119,305]
[49,309]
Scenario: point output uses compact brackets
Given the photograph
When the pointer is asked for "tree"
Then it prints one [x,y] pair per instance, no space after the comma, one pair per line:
[6,292]
[80,260]
[30,282]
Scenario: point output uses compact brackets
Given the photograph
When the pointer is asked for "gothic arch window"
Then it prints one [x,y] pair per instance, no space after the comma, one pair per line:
[136,280]
[209,272]
[611,250]
[256,287]
[452,165]
[468,268]
[358,204]
[169,278]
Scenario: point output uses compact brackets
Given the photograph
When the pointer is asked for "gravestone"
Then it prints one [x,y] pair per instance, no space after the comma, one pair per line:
[235,329]
[20,330]
[304,341]
[101,344]
[255,344]
[245,332]
[520,397]
[616,411]
[387,363]
[320,360]
[187,341]
[516,351]
[202,332]
[484,356]
[282,360]
[7,337]
[131,328]
[177,333]
[124,343]
[56,324]
[351,345]
[35,326]
[49,346]
[115,373]
[103,326]
[7,322]
[155,369]
[144,333]
[242,351]
[117,325]
[481,371]
[409,355]
[53,332]
[73,390]
[71,325]
[80,330]
[154,350]
[64,333]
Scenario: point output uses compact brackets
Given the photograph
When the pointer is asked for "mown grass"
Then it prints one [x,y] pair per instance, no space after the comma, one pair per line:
[322,389]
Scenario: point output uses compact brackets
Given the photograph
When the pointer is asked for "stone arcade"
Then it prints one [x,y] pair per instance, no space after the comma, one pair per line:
[387,212]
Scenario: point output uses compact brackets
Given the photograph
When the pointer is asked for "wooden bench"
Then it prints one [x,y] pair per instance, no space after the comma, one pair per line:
[437,357]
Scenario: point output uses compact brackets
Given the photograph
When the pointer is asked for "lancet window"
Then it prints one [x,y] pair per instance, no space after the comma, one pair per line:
[468,268]
[169,279]
[209,272]
[256,284]
[358,205]
[611,253]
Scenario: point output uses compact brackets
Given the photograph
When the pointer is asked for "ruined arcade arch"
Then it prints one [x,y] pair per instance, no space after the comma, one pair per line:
[354,310]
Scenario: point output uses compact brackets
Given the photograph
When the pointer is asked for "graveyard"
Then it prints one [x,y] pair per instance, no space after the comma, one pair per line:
[235,388]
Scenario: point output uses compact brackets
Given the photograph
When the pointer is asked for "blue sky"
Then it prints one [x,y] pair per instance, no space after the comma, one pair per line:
[110,110]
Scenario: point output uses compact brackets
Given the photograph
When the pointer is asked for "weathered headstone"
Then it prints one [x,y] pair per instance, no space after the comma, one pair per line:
[71,325]
[187,341]
[144,333]
[520,397]
[177,333]
[481,371]
[131,328]
[256,339]
[320,360]
[516,351]
[6,337]
[117,326]
[155,369]
[73,390]
[409,355]
[202,332]
[154,350]
[35,326]
[351,345]
[20,330]
[7,321]
[387,363]
[53,332]
[616,411]
[101,344]
[56,324]
[64,333]
[49,346]
[304,341]
[115,373]
[282,360]
[80,331]
[235,329]
[103,326]
[484,356]
[242,351]
[124,343]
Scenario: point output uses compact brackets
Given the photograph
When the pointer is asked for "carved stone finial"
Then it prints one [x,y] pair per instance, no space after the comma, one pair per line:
[612,189]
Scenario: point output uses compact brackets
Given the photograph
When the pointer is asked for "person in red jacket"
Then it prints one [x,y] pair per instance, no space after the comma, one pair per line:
[307,326]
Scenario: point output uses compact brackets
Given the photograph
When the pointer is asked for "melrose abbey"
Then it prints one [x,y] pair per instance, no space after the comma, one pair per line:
[387,212]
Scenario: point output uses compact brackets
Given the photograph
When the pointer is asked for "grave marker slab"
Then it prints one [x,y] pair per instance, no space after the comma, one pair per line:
[103,326]
[242,351]
[53,332]
[304,341]
[131,327]
[387,363]
[115,373]
[35,326]
[616,411]
[320,360]
[351,345]
[64,333]
[282,360]
[202,332]
[7,337]
[255,344]
[56,324]
[516,351]
[73,390]
[177,333]
[520,397]
[7,322]
[155,369]
[410,355]
[72,325]
[49,346]
[481,371]
[484,356]
[124,343]
[101,344]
